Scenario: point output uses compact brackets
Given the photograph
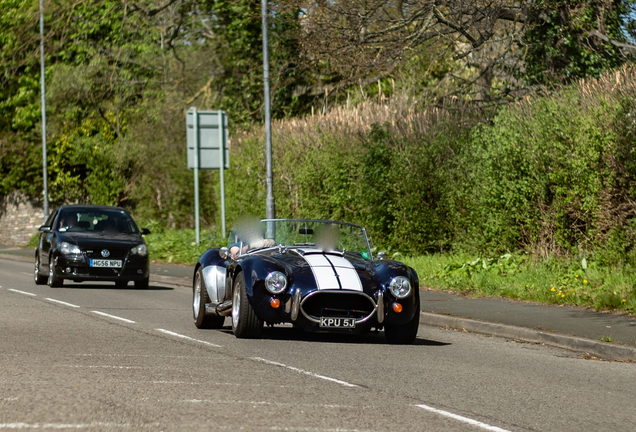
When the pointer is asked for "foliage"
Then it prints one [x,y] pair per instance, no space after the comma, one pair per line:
[576,282]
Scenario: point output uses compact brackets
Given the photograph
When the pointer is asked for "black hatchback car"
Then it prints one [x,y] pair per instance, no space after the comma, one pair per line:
[91,243]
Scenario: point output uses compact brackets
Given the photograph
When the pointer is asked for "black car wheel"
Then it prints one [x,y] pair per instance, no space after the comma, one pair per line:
[199,299]
[142,284]
[54,280]
[403,334]
[39,278]
[245,323]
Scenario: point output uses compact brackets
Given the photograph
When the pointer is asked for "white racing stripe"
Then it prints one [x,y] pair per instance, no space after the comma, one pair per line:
[328,269]
[21,292]
[188,338]
[114,317]
[463,419]
[273,363]
[61,302]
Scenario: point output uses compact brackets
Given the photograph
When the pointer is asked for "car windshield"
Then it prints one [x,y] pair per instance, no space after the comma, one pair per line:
[325,235]
[96,221]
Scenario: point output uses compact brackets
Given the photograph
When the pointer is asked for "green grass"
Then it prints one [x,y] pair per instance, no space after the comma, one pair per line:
[552,281]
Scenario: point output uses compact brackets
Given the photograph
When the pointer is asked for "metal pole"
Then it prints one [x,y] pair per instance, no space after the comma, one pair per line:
[45,175]
[222,151]
[196,174]
[269,203]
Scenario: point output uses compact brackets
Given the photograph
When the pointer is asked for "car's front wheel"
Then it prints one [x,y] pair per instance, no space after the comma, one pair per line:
[199,299]
[54,280]
[245,323]
[403,334]
[39,278]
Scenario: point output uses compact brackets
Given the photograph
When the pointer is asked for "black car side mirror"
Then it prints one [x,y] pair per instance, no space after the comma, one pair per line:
[44,228]
[145,231]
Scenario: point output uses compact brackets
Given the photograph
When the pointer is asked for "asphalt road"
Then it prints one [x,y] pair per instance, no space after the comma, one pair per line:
[94,357]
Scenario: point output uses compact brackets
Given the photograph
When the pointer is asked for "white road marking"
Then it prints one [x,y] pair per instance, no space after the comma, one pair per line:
[282,404]
[462,419]
[60,425]
[114,317]
[21,292]
[188,338]
[61,302]
[337,381]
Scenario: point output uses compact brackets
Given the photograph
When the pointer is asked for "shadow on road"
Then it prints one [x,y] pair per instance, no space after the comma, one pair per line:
[112,287]
[294,334]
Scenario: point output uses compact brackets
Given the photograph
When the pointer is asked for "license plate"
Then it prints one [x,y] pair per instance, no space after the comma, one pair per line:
[105,263]
[337,322]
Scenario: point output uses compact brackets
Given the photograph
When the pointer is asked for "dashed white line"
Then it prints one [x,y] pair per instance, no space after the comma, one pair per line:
[60,425]
[114,317]
[337,381]
[61,302]
[463,419]
[188,338]
[21,292]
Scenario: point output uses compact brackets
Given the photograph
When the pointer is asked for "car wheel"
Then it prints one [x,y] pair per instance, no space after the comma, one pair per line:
[39,278]
[142,284]
[54,280]
[245,323]
[199,299]
[403,334]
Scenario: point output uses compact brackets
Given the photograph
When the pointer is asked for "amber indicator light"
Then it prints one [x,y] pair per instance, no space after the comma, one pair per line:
[275,303]
[397,308]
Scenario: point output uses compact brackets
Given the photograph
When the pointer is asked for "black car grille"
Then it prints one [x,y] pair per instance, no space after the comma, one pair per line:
[338,304]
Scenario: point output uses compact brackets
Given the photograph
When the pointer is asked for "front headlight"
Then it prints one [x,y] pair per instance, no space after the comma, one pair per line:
[141,250]
[276,282]
[400,287]
[67,248]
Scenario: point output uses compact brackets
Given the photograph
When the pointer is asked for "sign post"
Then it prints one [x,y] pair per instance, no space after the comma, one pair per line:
[208,148]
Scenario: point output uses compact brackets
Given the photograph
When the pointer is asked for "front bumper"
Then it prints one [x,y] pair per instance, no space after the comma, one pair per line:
[76,268]
[306,311]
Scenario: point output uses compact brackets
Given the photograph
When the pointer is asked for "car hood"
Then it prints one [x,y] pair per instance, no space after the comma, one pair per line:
[93,240]
[329,270]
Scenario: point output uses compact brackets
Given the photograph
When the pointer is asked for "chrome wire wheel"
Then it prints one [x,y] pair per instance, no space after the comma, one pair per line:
[236,307]
[196,297]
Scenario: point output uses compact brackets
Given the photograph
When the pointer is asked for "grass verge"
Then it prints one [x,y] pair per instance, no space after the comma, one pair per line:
[552,281]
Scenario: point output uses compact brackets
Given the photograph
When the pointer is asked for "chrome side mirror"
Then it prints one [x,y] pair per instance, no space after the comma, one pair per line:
[381,255]
[224,253]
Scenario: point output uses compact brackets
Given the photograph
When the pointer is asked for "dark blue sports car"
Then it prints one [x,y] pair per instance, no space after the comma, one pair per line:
[318,275]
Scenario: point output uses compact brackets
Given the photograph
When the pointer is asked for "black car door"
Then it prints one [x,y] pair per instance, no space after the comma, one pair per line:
[46,239]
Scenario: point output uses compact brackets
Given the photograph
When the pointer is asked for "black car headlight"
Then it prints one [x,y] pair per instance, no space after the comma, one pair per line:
[68,249]
[141,250]
[400,287]
[276,282]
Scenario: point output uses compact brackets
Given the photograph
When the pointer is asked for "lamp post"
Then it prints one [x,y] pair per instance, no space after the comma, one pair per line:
[43,91]
[270,212]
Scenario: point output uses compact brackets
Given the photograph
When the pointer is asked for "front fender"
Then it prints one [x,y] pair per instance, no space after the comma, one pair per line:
[214,271]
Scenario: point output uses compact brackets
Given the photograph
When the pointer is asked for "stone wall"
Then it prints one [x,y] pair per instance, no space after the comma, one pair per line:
[19,220]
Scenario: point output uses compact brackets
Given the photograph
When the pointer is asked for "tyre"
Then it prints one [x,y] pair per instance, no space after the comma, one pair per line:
[403,334]
[245,323]
[54,280]
[39,278]
[199,299]
[142,284]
